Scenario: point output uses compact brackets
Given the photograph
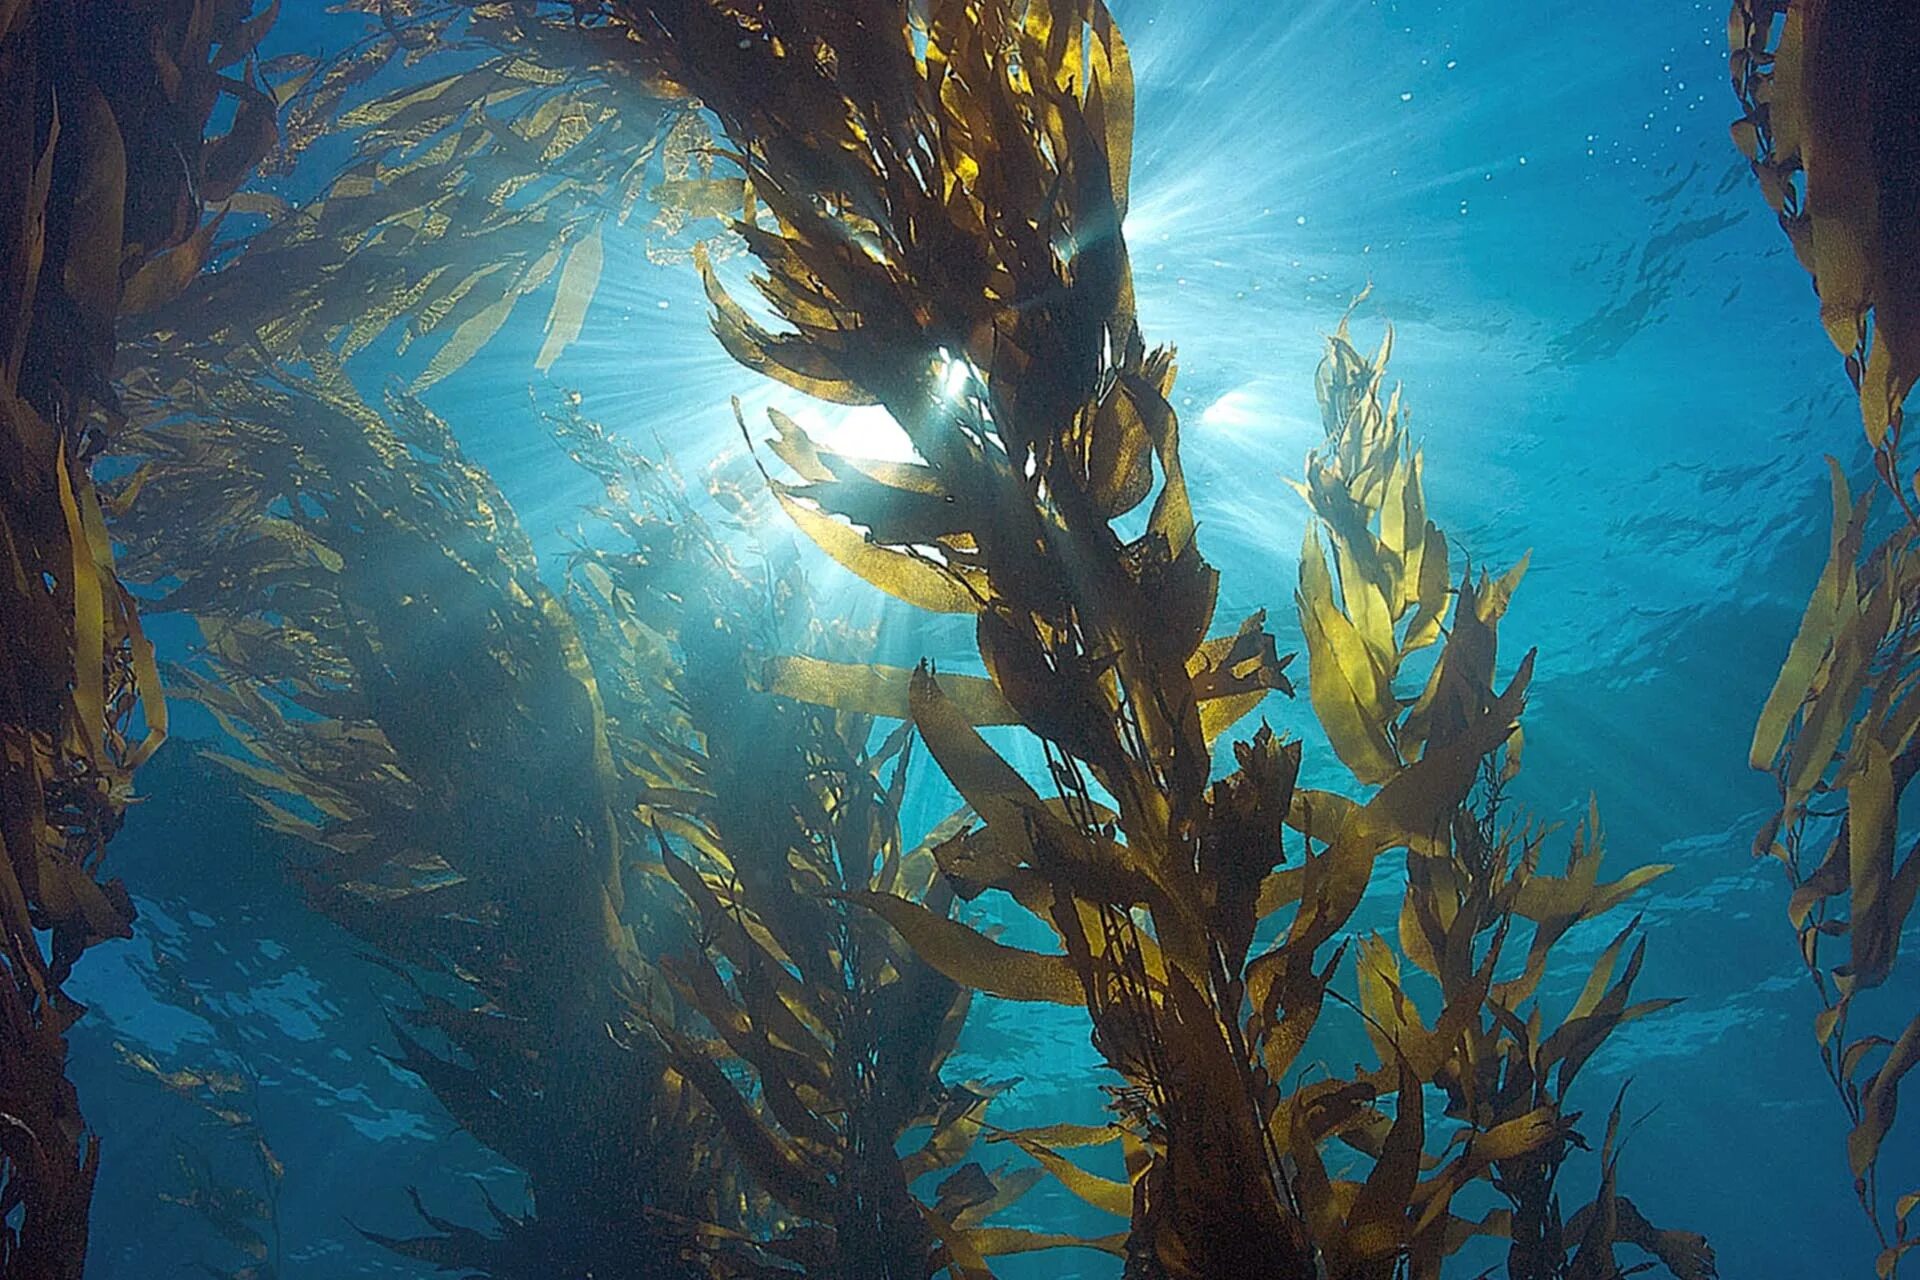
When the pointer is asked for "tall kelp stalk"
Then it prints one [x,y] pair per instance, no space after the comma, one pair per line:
[106,173]
[1831,125]
[946,185]
[782,814]
[1489,1052]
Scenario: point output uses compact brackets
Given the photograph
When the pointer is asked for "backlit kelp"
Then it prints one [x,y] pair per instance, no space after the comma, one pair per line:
[107,170]
[412,701]
[1490,1051]
[493,148]
[943,191]
[1830,124]
[772,817]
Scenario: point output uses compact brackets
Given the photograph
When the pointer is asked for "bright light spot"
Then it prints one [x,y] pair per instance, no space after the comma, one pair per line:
[1236,410]
[865,431]
[957,375]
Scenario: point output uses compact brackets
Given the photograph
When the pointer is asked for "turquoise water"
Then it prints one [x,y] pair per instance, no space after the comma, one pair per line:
[1612,360]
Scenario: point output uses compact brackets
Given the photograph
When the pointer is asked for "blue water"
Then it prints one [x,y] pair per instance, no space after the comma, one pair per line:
[1612,359]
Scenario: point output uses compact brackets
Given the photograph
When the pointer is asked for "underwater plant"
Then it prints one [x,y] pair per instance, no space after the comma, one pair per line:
[493,147]
[412,702]
[845,1030]
[1829,125]
[946,185]
[107,169]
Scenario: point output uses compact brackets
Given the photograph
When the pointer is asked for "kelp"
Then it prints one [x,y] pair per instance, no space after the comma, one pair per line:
[461,746]
[409,699]
[512,142]
[108,167]
[774,819]
[1829,123]
[1500,1066]
[939,194]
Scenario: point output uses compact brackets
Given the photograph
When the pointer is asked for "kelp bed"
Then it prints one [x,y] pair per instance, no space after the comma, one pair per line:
[636,834]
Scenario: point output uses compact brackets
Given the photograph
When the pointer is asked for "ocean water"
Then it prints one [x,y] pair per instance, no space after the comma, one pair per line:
[1611,359]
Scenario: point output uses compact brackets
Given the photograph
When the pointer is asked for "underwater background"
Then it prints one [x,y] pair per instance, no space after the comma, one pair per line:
[1610,359]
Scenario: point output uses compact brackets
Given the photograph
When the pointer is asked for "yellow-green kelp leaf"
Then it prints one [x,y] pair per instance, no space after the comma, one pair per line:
[973,959]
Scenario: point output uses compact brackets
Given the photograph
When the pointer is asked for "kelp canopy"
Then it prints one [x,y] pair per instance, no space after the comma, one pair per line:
[637,832]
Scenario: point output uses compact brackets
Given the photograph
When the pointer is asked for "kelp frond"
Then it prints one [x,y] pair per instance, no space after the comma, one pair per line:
[1828,123]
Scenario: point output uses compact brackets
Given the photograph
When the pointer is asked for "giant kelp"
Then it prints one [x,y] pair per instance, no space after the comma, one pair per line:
[492,148]
[1831,124]
[844,1029]
[412,701]
[416,705]
[944,187]
[107,168]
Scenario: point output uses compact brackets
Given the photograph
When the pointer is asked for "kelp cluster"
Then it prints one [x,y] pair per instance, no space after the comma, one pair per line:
[943,202]
[490,173]
[637,838]
[1830,124]
[487,771]
[108,165]
[414,703]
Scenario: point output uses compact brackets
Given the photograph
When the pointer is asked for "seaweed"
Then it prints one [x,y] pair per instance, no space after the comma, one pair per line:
[489,171]
[938,197]
[410,699]
[845,1031]
[1830,123]
[412,702]
[109,170]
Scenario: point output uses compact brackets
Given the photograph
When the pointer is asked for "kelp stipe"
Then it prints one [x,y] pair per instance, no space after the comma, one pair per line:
[1829,124]
[946,195]
[106,171]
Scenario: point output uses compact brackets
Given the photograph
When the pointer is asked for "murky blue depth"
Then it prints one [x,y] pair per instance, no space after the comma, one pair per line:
[1611,359]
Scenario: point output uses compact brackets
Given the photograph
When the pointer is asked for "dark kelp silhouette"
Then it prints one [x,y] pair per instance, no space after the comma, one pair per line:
[107,171]
[1831,125]
[943,189]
